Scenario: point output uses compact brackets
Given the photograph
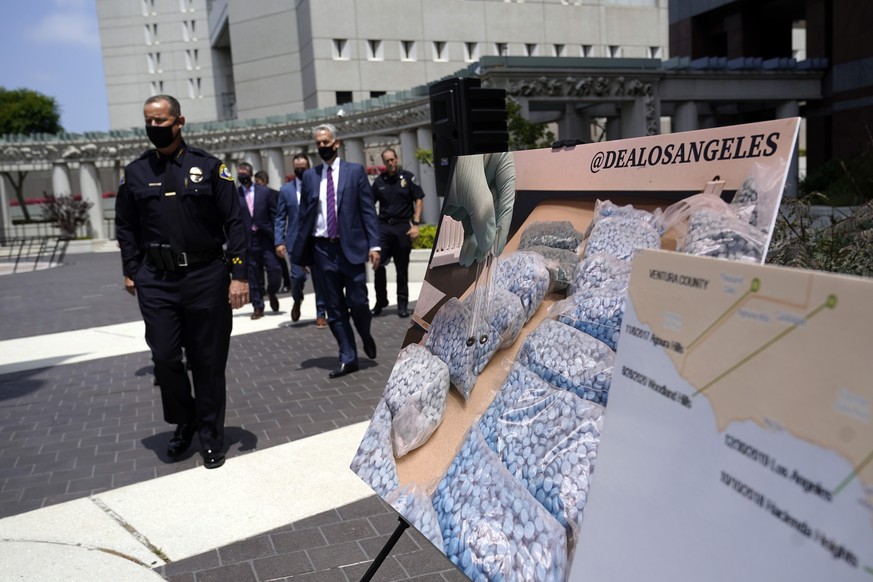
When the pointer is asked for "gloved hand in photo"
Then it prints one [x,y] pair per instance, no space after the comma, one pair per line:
[481,197]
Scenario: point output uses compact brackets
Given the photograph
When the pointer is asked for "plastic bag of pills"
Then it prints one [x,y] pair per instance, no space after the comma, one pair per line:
[416,396]
[600,271]
[716,234]
[526,275]
[503,311]
[463,342]
[492,527]
[413,503]
[620,236]
[597,312]
[548,439]
[569,359]
[556,234]
[745,202]
[374,461]
[606,209]
[561,264]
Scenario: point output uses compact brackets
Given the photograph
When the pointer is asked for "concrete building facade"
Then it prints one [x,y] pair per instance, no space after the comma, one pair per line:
[228,59]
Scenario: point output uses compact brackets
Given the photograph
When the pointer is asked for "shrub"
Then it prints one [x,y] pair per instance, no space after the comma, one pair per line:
[426,237]
[66,212]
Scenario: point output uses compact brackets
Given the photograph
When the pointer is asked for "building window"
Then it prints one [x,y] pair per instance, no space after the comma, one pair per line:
[502,49]
[343,97]
[157,87]
[199,87]
[407,50]
[148,7]
[151,63]
[530,50]
[614,51]
[654,52]
[376,94]
[189,32]
[148,34]
[585,50]
[471,51]
[340,49]
[439,51]
[374,50]
[559,50]
[185,5]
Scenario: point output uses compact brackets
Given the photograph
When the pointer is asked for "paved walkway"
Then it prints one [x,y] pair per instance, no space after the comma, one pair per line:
[87,493]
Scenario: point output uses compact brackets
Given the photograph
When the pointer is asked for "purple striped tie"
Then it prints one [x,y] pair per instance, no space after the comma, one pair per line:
[332,230]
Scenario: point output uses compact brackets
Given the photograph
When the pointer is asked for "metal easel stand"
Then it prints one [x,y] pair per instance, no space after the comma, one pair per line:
[386,549]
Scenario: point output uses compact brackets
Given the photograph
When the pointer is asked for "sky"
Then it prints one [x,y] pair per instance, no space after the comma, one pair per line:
[53,47]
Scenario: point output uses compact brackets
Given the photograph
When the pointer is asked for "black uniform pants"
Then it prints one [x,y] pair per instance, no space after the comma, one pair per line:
[396,244]
[189,308]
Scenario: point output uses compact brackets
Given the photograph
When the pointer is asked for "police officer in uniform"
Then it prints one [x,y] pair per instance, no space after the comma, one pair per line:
[400,203]
[175,208]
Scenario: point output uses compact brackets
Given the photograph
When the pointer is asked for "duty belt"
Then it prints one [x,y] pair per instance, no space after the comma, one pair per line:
[162,257]
[394,220]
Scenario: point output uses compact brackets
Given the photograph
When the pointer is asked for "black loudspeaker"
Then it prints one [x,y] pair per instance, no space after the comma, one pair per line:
[465,119]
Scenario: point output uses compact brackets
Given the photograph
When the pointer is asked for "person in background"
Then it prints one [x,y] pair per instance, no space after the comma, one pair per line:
[287,213]
[262,178]
[259,212]
[400,201]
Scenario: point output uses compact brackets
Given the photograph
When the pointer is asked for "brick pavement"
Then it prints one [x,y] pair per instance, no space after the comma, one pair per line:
[75,430]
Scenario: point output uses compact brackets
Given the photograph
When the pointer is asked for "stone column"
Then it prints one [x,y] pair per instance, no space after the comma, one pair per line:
[274,165]
[354,151]
[430,211]
[633,118]
[574,124]
[784,110]
[613,128]
[685,117]
[61,179]
[4,204]
[89,184]
[252,157]
[408,146]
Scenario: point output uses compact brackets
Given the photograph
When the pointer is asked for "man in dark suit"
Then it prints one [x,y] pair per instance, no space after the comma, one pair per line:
[259,212]
[262,178]
[287,216]
[338,234]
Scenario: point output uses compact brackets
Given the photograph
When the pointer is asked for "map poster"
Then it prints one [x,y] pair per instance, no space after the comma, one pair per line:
[739,440]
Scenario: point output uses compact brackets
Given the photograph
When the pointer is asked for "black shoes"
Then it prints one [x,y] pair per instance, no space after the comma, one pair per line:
[274,303]
[295,311]
[181,440]
[212,458]
[402,311]
[343,370]
[369,347]
[380,305]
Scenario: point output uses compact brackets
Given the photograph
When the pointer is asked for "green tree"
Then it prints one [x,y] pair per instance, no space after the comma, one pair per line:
[23,111]
[523,134]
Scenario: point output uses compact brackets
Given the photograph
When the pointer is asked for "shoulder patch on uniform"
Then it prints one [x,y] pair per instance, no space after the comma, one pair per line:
[225,173]
[121,182]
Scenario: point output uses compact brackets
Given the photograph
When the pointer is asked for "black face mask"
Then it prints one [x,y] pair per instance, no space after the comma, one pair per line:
[161,136]
[326,152]
[299,172]
[244,179]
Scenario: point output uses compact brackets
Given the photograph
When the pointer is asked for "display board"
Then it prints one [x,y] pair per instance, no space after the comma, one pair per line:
[488,432]
[739,439]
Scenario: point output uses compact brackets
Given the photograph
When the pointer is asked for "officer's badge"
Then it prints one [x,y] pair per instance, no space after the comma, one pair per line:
[225,173]
[403,182]
[195,174]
